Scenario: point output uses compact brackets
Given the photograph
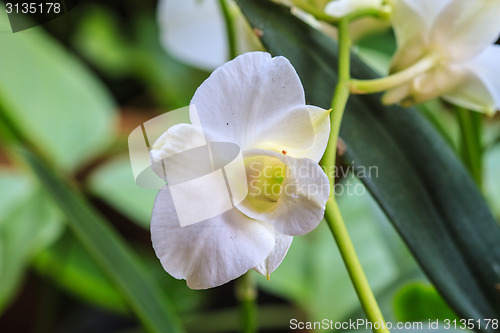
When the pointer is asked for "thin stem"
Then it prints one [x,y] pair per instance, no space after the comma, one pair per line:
[247,296]
[394,80]
[368,302]
[230,29]
[471,149]
[340,97]
[332,214]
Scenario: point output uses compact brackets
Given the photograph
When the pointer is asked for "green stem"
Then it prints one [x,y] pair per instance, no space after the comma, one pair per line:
[470,147]
[340,97]
[394,80]
[332,214]
[247,296]
[368,302]
[230,29]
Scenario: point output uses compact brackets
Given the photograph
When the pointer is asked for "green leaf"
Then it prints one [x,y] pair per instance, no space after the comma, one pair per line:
[417,301]
[50,100]
[110,252]
[29,222]
[421,185]
[114,183]
[491,179]
[69,265]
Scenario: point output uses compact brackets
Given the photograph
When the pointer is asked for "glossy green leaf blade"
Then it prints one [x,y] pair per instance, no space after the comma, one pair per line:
[110,252]
[68,265]
[419,302]
[421,185]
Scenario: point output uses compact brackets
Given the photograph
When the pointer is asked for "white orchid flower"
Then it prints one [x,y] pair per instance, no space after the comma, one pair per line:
[194,31]
[256,102]
[341,8]
[446,48]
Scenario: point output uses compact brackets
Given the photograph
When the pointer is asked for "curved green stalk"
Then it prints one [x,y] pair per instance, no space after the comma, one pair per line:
[340,97]
[332,214]
[394,80]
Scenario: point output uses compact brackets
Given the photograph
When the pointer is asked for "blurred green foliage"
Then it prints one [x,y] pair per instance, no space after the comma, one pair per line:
[420,302]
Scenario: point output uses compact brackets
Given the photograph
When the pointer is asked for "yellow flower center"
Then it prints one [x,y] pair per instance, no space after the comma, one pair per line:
[265,175]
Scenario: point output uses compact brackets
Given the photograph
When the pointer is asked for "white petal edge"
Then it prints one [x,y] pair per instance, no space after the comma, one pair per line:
[320,120]
[340,8]
[321,123]
[412,21]
[465,28]
[436,82]
[305,191]
[210,253]
[480,90]
[177,139]
[276,256]
[250,100]
[193,31]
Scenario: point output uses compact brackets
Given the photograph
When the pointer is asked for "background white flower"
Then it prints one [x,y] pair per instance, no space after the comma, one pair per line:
[258,103]
[194,31]
[458,35]
[340,8]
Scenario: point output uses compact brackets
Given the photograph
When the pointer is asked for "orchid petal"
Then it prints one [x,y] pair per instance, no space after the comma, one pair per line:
[435,83]
[465,28]
[340,8]
[412,21]
[410,28]
[320,121]
[177,139]
[212,252]
[194,31]
[252,100]
[302,200]
[397,94]
[480,89]
[282,244]
[321,124]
